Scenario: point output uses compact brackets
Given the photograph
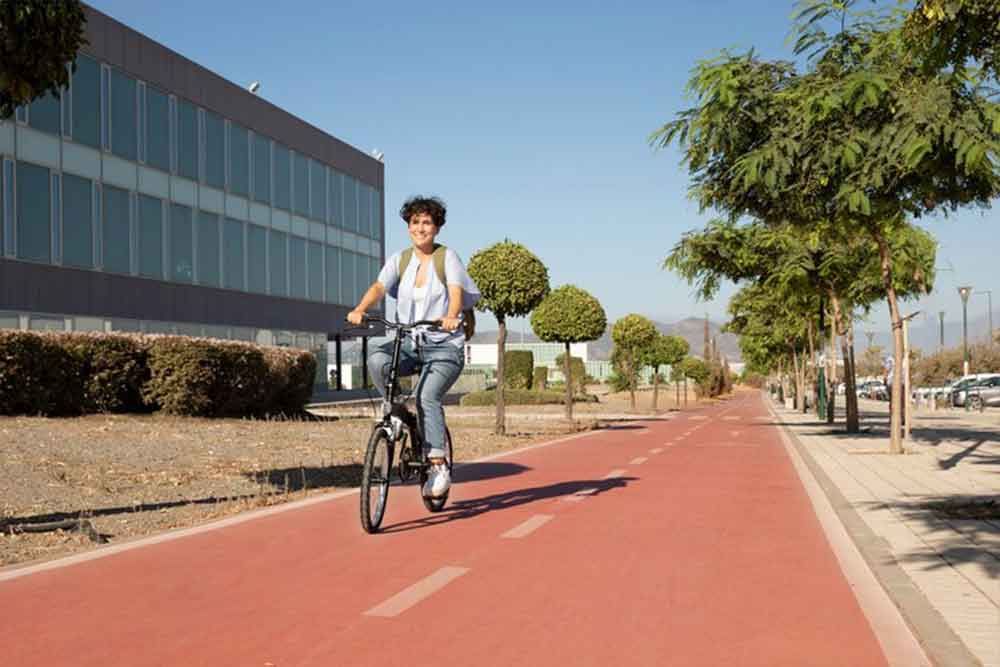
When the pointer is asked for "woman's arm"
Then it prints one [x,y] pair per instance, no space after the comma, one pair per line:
[450,321]
[372,296]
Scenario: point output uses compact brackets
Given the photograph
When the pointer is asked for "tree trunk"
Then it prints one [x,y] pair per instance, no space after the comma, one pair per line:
[569,386]
[685,391]
[896,393]
[847,352]
[809,366]
[831,366]
[800,398]
[656,386]
[501,423]
[677,388]
[633,379]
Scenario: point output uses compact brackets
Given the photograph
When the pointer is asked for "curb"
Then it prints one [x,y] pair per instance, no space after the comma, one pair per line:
[939,644]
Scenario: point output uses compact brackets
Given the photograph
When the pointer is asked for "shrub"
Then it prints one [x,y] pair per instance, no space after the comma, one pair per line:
[540,378]
[518,367]
[522,397]
[291,373]
[114,370]
[39,375]
[577,371]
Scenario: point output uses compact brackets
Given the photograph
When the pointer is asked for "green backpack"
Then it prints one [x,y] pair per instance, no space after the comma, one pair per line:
[468,315]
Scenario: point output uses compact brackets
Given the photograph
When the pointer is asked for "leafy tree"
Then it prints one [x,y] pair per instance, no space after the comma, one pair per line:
[955,34]
[864,140]
[512,282]
[664,351]
[632,336]
[569,315]
[38,40]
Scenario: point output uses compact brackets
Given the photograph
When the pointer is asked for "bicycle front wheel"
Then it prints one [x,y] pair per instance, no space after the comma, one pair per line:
[375,480]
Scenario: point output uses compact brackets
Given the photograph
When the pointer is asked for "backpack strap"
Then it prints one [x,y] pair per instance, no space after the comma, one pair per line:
[437,257]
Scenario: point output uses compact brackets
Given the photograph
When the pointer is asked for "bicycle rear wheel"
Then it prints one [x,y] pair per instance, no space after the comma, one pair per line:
[437,504]
[375,480]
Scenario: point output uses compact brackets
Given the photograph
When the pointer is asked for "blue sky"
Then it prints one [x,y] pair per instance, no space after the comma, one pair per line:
[530,119]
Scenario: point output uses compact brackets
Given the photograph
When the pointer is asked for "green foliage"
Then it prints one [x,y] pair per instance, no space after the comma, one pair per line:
[540,378]
[511,279]
[518,369]
[39,375]
[577,370]
[523,397]
[694,369]
[38,40]
[665,351]
[114,368]
[569,315]
[632,336]
[956,34]
[945,366]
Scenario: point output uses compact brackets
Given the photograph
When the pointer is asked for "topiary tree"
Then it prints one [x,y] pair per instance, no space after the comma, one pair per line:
[632,336]
[512,282]
[38,39]
[518,368]
[664,351]
[569,315]
[577,369]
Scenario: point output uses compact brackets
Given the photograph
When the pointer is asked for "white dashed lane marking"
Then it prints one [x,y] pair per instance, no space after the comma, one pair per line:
[614,473]
[424,588]
[638,461]
[528,527]
[656,450]
[580,495]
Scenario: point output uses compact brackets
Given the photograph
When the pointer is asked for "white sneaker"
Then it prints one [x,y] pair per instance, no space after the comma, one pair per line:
[438,481]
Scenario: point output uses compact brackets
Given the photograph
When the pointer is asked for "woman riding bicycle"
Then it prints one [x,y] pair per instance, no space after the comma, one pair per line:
[421,295]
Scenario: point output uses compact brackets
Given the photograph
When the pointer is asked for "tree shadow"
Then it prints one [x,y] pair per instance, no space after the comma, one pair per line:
[970,524]
[467,509]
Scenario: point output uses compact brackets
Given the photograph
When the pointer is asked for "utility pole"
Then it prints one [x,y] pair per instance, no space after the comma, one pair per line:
[870,335]
[989,313]
[941,335]
[964,292]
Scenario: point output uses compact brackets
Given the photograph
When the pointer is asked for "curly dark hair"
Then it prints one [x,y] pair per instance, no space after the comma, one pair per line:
[432,206]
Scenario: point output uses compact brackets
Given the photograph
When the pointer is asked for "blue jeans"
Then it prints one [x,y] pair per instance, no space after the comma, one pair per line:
[440,365]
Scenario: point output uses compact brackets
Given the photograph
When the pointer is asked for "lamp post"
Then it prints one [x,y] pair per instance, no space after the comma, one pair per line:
[989,313]
[941,332]
[964,292]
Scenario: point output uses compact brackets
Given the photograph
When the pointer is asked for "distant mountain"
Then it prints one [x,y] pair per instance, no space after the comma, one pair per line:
[925,333]
[691,329]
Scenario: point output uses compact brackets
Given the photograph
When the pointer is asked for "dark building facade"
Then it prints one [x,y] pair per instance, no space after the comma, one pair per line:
[156,196]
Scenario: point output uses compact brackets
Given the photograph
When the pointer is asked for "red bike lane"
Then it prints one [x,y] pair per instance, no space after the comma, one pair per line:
[688,541]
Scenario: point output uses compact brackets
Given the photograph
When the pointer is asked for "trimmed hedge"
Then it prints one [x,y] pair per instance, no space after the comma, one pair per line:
[518,366]
[540,378]
[59,374]
[523,397]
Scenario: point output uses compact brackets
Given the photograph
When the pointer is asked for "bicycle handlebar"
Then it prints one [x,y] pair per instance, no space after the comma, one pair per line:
[374,319]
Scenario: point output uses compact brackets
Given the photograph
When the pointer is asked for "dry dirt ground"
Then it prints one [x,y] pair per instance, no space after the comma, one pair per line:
[114,478]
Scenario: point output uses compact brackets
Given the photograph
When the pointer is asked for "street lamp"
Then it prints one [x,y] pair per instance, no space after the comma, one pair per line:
[941,337]
[964,292]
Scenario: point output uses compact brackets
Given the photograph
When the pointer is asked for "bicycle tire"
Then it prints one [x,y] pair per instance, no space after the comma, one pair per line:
[437,504]
[375,477]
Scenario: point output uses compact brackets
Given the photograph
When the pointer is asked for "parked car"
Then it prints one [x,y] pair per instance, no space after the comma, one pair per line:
[958,390]
[873,389]
[983,393]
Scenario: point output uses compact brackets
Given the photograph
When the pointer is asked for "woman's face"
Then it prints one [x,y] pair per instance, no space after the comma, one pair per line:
[422,229]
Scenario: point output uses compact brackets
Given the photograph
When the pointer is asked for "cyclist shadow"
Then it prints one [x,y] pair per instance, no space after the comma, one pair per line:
[472,507]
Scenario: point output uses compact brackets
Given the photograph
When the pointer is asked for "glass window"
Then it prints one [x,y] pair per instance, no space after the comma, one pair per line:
[43,114]
[88,324]
[315,271]
[256,259]
[350,204]
[232,248]
[239,160]
[150,237]
[208,249]
[337,198]
[42,323]
[282,177]
[376,214]
[365,210]
[124,325]
[115,231]
[278,255]
[348,278]
[87,102]
[301,184]
[363,267]
[78,224]
[318,174]
[187,140]
[9,320]
[262,169]
[157,129]
[215,150]
[333,275]
[34,208]
[181,249]
[297,262]
[123,132]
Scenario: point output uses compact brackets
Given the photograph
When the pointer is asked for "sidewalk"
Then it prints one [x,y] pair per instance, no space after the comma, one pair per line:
[929,513]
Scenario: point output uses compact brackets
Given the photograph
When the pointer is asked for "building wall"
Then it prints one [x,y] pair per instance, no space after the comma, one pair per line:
[154,191]
[485,354]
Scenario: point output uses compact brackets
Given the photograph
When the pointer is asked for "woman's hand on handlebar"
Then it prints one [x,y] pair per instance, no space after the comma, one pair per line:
[450,323]
[356,317]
